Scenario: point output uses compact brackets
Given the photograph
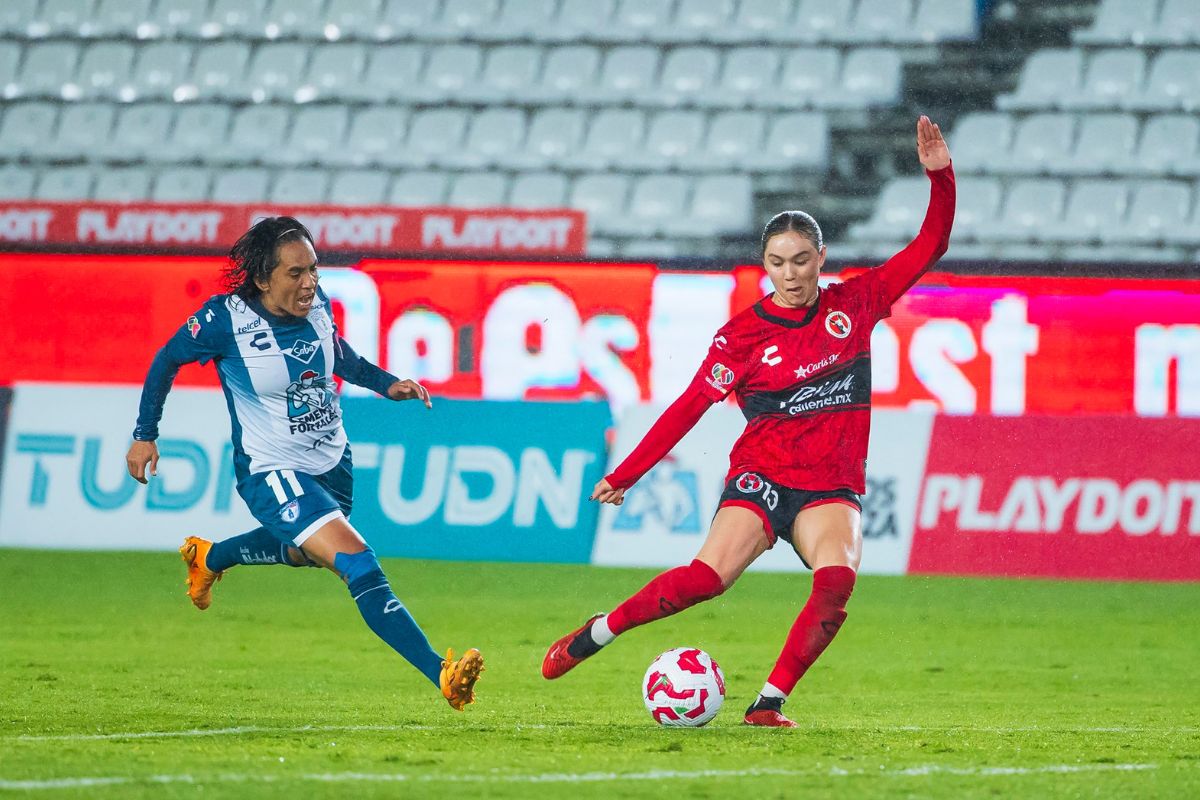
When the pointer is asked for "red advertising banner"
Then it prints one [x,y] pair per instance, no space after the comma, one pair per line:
[1082,497]
[403,230]
[635,333]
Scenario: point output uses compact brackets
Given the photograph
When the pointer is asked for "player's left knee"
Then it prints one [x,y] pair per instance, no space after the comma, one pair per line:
[834,584]
[360,571]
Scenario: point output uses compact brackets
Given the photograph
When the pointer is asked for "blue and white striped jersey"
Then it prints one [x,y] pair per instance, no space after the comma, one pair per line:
[277,375]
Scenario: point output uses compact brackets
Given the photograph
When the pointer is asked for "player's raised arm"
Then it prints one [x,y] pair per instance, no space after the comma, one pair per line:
[902,270]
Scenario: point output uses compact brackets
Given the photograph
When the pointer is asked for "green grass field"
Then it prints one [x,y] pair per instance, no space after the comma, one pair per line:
[112,685]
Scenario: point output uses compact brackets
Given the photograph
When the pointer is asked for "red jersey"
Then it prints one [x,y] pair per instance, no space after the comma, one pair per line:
[802,376]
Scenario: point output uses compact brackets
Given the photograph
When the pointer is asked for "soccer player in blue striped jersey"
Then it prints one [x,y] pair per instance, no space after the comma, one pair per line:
[276,350]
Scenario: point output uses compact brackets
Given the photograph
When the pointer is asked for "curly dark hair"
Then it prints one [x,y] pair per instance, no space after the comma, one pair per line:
[256,254]
[799,221]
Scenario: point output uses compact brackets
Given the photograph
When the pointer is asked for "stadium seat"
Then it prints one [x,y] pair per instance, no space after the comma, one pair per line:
[637,21]
[276,71]
[518,20]
[451,68]
[566,71]
[376,135]
[393,71]
[653,201]
[1119,22]
[832,21]
[62,18]
[579,20]
[671,137]
[1032,206]
[898,211]
[104,71]
[26,128]
[64,184]
[602,198]
[1042,143]
[945,20]
[48,67]
[16,17]
[315,132]
[1178,23]
[1094,205]
[1105,143]
[1174,83]
[627,74]
[235,19]
[419,189]
[981,141]
[478,190]
[121,18]
[1170,145]
[219,71]
[719,204]
[733,137]
[613,133]
[359,187]
[873,21]
[181,185]
[300,187]
[554,134]
[432,134]
[82,130]
[1157,208]
[507,71]
[10,59]
[333,71]
[287,19]
[1047,76]
[256,130]
[245,185]
[1187,234]
[748,75]
[122,185]
[352,19]
[761,21]
[978,201]
[870,77]
[199,130]
[461,19]
[697,21]
[1113,76]
[688,73]
[403,20]
[795,141]
[16,182]
[538,190]
[808,76]
[175,18]
[140,130]
[494,134]
[161,68]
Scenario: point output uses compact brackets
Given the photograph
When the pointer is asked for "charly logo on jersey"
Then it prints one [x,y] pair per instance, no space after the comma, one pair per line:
[838,324]
[303,351]
[749,483]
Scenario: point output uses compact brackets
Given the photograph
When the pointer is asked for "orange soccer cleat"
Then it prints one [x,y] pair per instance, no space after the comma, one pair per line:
[767,712]
[200,578]
[559,661]
[459,676]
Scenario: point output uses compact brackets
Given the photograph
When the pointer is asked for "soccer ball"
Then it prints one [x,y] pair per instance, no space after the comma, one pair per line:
[684,688]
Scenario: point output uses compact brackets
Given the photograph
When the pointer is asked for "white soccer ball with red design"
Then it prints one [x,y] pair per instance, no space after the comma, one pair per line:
[684,687]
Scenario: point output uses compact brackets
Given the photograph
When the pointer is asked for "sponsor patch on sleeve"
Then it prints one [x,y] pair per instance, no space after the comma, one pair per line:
[722,377]
[193,326]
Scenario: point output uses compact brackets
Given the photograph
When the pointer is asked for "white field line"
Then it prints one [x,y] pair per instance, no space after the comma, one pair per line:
[271,729]
[567,777]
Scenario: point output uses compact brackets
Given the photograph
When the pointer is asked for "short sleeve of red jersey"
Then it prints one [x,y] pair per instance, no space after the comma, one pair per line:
[723,368]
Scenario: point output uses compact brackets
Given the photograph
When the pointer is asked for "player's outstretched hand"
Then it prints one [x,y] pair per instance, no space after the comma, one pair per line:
[605,493]
[140,454]
[408,389]
[931,147]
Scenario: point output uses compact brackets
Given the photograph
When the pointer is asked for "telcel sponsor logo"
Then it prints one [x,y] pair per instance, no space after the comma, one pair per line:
[103,484]
[478,484]
[1034,504]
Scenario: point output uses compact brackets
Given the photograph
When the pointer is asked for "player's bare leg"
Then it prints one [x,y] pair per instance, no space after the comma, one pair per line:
[829,538]
[338,547]
[735,539]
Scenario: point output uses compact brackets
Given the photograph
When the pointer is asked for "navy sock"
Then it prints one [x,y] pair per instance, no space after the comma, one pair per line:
[254,547]
[385,614]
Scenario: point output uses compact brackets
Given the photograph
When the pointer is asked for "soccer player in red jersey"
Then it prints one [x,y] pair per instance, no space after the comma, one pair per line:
[799,363]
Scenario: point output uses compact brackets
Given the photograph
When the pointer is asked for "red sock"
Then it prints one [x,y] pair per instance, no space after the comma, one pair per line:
[816,626]
[669,593]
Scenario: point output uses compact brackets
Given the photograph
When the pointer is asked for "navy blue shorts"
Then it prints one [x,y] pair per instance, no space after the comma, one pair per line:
[778,505]
[293,505]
